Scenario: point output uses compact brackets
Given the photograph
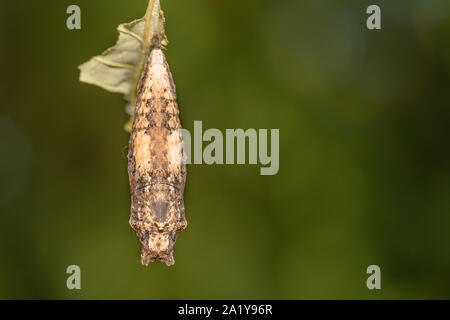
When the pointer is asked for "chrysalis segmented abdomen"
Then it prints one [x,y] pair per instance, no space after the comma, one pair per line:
[156,167]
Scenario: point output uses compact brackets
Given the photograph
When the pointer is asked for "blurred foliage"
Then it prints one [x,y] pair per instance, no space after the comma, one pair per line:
[364,175]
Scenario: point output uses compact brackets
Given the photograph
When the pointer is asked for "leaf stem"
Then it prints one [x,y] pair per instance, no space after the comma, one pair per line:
[145,50]
[148,17]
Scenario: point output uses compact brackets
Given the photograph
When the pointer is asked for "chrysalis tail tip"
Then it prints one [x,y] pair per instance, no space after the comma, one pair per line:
[147,258]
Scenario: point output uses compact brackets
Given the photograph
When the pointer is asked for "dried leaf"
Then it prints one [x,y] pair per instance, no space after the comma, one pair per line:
[116,69]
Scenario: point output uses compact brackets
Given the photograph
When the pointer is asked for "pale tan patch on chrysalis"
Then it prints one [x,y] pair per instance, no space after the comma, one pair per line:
[175,149]
[142,154]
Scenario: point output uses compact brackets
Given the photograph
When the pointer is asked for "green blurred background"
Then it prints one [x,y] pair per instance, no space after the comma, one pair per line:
[364,119]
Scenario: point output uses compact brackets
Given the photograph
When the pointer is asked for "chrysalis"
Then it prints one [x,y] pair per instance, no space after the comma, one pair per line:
[156,167]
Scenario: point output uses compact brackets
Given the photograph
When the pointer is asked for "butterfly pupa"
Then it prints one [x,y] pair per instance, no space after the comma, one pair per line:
[156,167]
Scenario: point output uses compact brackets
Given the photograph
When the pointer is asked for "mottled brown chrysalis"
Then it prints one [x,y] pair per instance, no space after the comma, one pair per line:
[156,167]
